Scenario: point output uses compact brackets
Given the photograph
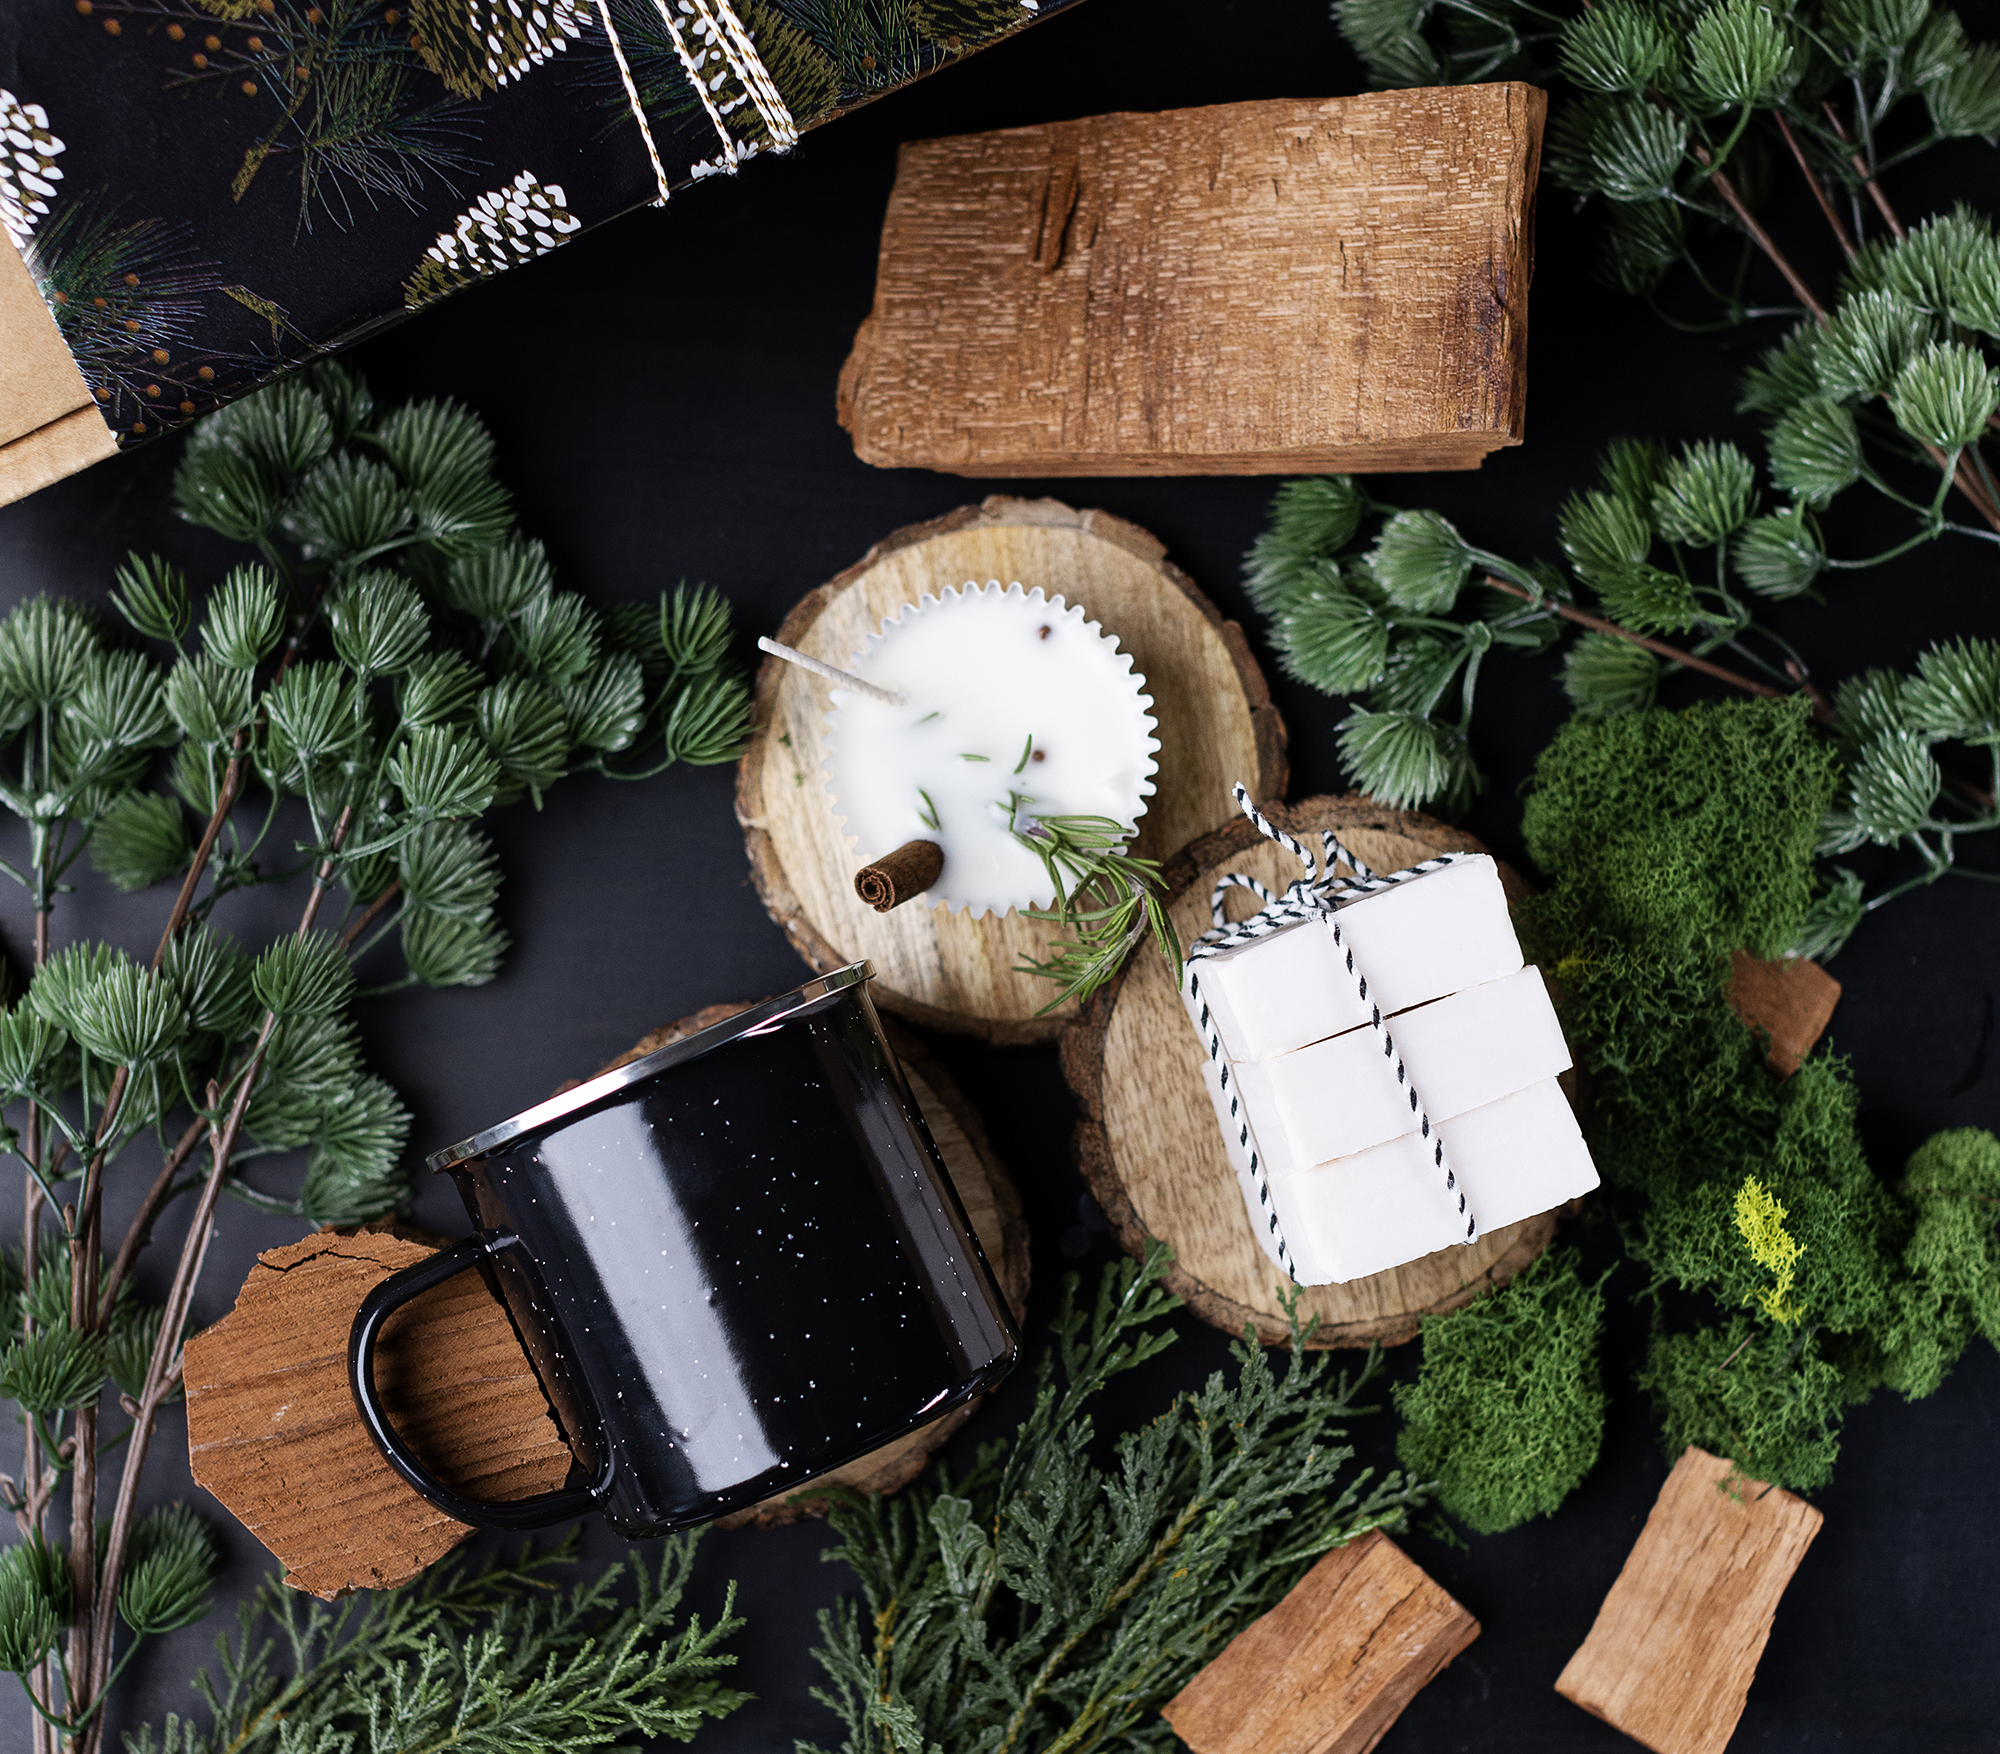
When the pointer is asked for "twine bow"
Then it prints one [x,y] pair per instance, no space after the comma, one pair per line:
[1315,896]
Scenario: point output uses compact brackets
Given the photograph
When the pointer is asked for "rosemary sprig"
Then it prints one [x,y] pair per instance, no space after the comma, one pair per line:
[1106,898]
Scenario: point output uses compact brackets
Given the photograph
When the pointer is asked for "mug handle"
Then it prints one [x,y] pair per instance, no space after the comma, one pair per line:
[395,1291]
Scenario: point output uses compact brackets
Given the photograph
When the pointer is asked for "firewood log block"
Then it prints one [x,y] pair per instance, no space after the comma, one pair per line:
[1675,1647]
[1331,1667]
[1790,1000]
[1288,285]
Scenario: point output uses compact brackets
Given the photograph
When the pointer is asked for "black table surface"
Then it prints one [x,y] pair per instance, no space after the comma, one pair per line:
[662,392]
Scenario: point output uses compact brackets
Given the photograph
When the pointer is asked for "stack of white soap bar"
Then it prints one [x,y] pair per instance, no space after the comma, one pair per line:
[1303,1082]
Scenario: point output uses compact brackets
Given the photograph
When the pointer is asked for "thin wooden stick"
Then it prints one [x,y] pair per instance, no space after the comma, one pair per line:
[1867,176]
[846,678]
[1760,237]
[1820,195]
[1598,624]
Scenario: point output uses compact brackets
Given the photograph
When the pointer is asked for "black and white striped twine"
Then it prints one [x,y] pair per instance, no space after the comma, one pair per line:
[1317,895]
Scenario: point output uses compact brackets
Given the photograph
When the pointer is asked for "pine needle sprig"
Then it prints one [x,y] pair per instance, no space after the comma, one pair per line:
[1107,899]
[393,660]
[1048,1600]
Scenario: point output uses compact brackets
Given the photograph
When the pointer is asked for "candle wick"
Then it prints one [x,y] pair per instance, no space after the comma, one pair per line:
[846,678]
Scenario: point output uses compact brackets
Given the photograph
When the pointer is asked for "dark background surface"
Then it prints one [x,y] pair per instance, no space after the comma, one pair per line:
[662,392]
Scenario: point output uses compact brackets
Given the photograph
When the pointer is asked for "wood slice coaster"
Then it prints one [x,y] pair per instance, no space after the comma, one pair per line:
[274,1435]
[1216,726]
[273,1432]
[1148,1145]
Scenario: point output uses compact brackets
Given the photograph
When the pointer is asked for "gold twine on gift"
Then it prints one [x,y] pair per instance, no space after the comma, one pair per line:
[739,51]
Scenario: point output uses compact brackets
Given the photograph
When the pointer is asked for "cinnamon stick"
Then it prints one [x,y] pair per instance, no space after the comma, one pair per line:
[911,869]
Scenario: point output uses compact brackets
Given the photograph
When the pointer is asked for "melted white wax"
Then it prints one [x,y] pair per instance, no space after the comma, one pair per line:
[1006,693]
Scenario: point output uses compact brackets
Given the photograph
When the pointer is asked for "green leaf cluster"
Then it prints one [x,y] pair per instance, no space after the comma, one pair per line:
[1658,104]
[497,1660]
[1507,1411]
[1671,841]
[1372,623]
[1050,1598]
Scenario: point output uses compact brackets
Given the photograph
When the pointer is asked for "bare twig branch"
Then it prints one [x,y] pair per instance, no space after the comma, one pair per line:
[1583,618]
[1818,188]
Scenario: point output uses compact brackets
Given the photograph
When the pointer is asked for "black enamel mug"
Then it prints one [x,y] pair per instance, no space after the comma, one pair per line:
[735,1264]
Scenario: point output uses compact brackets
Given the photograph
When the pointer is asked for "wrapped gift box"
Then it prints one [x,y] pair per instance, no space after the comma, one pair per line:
[1328,1144]
[206,193]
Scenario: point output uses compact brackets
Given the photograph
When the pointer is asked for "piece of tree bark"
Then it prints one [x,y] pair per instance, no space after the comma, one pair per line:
[1791,1000]
[1675,1647]
[1148,1144]
[1253,288]
[273,1433]
[933,965]
[1332,1666]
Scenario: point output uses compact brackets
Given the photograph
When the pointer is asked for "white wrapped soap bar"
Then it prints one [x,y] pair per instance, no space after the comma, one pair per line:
[1341,1097]
[1382,1207]
[1416,941]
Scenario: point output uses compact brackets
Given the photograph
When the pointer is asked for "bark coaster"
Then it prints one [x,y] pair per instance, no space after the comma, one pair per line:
[1675,1646]
[1331,1667]
[273,1432]
[1244,289]
[1148,1144]
[1790,1000]
[1216,725]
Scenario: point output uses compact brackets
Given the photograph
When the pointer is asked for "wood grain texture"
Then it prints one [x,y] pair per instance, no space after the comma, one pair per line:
[1790,1000]
[1216,725]
[273,1432]
[1294,284]
[1148,1144]
[1675,1647]
[991,1203]
[1332,1666]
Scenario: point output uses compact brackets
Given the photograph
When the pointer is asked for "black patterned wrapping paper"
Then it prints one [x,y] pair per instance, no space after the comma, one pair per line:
[208,193]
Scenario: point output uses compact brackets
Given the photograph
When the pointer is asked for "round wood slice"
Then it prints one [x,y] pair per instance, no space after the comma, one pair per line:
[1216,726]
[274,1435]
[1149,1148]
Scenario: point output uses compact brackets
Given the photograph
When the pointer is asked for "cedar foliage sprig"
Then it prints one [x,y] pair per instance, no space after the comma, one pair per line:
[395,662]
[1107,899]
[1046,1600]
[498,1660]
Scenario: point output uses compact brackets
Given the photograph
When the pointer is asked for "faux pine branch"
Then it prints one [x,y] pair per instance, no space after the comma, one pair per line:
[338,712]
[1669,555]
[1672,119]
[1049,1600]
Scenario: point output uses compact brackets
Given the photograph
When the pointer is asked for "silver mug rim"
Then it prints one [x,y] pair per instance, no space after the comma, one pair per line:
[591,1090]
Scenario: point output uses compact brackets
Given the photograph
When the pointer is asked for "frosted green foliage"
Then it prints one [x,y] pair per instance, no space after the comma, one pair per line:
[1507,1411]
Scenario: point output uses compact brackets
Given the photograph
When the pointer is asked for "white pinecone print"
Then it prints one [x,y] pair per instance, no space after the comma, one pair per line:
[503,227]
[28,173]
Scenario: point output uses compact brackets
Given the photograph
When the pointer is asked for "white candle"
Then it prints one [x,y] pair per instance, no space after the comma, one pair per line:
[1015,706]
